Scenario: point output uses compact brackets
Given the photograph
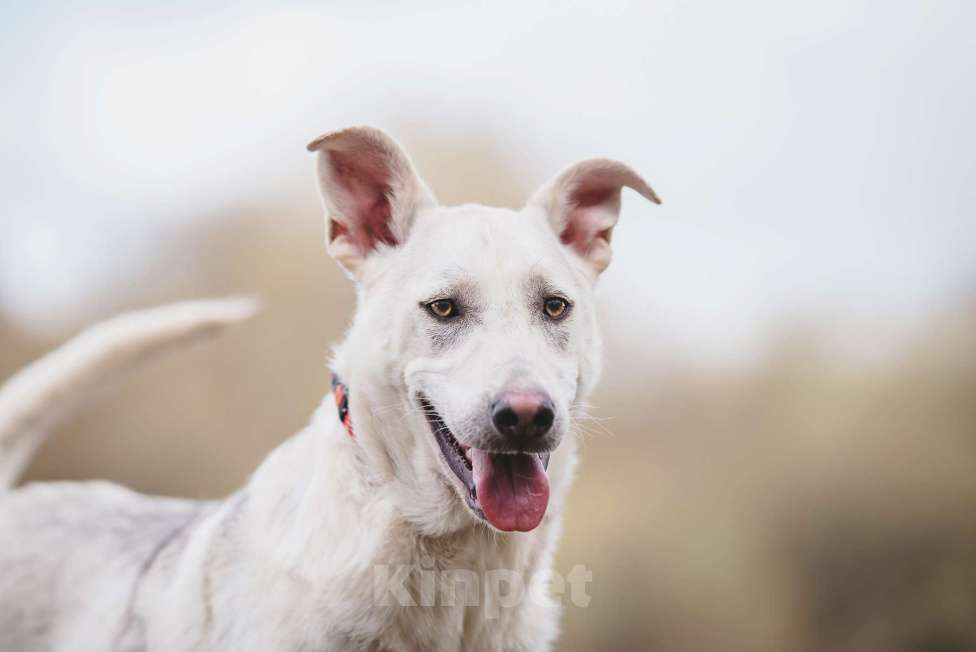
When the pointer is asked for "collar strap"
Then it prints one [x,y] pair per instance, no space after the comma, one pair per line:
[341,393]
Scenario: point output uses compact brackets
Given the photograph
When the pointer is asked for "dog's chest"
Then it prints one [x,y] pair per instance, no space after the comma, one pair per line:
[453,601]
[428,601]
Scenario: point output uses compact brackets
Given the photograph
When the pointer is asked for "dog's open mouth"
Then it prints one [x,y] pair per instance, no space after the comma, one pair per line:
[510,490]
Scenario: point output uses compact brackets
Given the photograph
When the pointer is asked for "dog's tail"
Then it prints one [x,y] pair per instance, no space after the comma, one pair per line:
[40,396]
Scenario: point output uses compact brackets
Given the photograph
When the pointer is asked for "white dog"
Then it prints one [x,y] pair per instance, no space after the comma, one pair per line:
[384,523]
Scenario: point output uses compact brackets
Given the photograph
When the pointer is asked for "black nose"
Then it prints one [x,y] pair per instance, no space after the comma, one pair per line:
[522,415]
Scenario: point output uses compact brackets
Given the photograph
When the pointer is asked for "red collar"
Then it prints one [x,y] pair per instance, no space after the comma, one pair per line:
[342,403]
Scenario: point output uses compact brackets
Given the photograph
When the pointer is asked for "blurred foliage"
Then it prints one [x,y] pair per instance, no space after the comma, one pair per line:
[801,504]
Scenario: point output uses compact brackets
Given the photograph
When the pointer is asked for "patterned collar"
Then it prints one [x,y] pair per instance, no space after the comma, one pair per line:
[341,393]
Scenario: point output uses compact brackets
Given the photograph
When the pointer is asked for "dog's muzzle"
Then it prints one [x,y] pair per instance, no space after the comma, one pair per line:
[506,485]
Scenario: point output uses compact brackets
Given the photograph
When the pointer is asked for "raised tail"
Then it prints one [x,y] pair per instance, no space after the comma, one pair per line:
[43,394]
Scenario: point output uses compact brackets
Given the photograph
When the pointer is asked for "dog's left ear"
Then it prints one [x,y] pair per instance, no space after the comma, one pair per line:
[583,204]
[370,190]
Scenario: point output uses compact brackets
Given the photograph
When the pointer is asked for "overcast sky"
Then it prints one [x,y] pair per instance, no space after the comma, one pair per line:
[813,157]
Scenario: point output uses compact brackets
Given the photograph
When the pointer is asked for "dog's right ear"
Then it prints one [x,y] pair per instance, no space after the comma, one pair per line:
[370,191]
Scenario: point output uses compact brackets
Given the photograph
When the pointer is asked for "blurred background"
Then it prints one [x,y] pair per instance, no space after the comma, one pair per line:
[785,456]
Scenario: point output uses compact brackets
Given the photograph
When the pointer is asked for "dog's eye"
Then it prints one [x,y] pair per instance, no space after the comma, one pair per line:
[556,307]
[443,308]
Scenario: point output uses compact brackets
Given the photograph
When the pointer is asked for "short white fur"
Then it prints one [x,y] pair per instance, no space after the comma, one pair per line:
[288,562]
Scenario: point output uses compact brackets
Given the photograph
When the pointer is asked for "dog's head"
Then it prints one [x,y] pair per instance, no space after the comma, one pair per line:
[475,336]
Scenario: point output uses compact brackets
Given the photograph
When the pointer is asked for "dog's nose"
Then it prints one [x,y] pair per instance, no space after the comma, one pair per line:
[523,415]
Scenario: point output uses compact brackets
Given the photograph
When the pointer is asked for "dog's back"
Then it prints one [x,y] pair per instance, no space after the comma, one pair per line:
[73,548]
[69,550]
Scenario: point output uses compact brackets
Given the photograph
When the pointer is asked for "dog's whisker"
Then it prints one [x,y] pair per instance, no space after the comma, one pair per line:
[592,427]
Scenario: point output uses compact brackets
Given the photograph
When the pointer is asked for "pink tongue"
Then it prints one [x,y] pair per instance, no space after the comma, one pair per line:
[513,490]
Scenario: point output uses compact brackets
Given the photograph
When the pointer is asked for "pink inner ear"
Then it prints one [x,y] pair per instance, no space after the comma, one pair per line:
[363,181]
[585,223]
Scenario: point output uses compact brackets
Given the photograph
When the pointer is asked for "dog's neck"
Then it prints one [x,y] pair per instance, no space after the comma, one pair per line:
[324,480]
[320,514]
